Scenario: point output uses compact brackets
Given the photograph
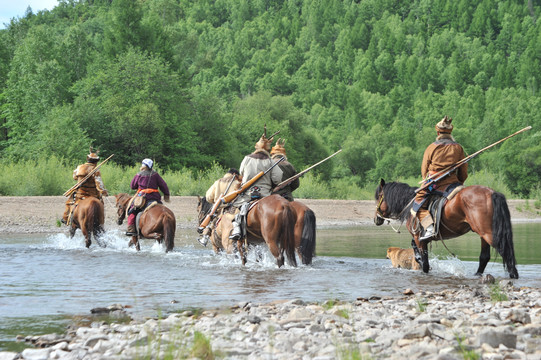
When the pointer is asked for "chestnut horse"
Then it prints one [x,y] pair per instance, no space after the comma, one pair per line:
[304,231]
[158,222]
[474,208]
[88,216]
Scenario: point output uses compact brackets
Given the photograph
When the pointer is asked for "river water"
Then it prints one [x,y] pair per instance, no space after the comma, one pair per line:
[46,281]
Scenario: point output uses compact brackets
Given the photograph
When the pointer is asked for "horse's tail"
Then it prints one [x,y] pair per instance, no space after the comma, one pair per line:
[169,227]
[502,233]
[287,238]
[308,237]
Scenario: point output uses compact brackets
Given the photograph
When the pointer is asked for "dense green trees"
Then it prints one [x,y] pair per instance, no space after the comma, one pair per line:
[191,83]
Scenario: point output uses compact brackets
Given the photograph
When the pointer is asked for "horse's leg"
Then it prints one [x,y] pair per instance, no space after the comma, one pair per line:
[73,229]
[421,253]
[240,247]
[484,257]
[135,241]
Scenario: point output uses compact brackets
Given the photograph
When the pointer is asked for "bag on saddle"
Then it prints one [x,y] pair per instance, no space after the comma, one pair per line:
[139,200]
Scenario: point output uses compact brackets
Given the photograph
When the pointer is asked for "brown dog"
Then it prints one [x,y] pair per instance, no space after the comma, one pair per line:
[402,258]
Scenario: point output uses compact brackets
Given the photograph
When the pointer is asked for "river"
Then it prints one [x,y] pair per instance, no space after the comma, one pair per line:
[47,281]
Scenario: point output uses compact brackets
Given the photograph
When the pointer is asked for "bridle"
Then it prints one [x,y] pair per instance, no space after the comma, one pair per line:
[380,214]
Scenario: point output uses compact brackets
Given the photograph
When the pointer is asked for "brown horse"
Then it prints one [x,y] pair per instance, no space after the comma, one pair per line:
[474,208]
[88,216]
[158,222]
[304,230]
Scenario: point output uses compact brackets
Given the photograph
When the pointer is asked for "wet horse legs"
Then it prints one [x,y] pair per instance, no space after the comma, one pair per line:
[484,257]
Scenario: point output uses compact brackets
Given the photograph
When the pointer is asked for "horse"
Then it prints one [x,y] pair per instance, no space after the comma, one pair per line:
[157,222]
[474,208]
[88,216]
[304,230]
[219,237]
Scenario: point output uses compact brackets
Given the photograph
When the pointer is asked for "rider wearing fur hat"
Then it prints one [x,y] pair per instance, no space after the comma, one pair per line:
[93,186]
[146,182]
[251,165]
[439,155]
[278,151]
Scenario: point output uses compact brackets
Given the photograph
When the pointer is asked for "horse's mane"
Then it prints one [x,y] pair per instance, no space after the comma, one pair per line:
[397,196]
[205,205]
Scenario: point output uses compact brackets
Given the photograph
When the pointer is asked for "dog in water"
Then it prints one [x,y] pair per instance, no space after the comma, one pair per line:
[402,258]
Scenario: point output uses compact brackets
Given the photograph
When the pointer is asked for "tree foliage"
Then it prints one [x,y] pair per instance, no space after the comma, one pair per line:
[192,83]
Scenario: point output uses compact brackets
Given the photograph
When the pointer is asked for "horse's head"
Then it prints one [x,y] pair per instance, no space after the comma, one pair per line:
[381,205]
[203,207]
[122,201]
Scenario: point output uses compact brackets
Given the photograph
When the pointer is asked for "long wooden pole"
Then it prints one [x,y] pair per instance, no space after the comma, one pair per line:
[296,176]
[81,182]
[468,158]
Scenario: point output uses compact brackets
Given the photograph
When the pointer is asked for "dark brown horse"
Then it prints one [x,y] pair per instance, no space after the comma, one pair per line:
[304,230]
[474,208]
[88,216]
[158,223]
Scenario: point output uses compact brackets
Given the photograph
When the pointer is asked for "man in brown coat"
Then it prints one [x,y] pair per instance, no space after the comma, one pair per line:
[439,155]
[278,151]
[93,186]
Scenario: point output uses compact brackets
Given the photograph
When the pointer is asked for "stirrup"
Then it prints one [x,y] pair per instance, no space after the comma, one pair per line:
[429,233]
[203,240]
[235,236]
[131,233]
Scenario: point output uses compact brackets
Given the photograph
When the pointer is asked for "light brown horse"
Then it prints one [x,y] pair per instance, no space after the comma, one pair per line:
[158,223]
[474,208]
[304,230]
[88,216]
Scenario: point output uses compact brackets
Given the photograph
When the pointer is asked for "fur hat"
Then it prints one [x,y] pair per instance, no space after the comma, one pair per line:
[148,163]
[264,143]
[445,126]
[279,148]
[93,156]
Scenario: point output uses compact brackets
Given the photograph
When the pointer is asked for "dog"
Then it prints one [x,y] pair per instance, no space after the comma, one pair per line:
[402,258]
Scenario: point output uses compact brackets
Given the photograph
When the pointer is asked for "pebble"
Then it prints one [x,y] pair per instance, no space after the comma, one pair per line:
[452,324]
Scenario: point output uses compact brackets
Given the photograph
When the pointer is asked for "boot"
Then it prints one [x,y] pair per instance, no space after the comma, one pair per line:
[131,231]
[237,232]
[203,240]
[429,232]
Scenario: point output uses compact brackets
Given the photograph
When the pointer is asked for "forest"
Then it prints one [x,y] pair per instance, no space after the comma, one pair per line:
[191,84]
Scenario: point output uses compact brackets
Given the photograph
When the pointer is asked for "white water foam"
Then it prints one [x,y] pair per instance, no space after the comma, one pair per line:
[448,265]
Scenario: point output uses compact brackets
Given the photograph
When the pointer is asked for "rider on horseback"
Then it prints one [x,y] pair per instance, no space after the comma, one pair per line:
[93,186]
[439,155]
[147,182]
[228,183]
[258,161]
[278,151]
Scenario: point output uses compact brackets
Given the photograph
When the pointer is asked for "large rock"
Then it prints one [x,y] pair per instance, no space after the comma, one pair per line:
[497,336]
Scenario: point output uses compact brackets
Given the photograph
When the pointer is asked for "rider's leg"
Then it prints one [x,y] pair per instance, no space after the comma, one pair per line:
[236,234]
[427,223]
[131,225]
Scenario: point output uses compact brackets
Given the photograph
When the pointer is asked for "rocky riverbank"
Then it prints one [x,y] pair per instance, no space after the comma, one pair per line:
[483,321]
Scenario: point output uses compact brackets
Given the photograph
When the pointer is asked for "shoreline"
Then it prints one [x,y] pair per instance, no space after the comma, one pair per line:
[448,324]
[41,214]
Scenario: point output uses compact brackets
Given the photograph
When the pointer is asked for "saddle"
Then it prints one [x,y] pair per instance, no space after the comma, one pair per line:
[436,204]
[243,214]
[140,213]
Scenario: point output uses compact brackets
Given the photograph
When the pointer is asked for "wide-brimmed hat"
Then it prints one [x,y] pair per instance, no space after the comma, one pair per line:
[445,126]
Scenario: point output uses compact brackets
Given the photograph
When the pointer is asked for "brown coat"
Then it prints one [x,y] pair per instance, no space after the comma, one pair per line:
[91,187]
[439,155]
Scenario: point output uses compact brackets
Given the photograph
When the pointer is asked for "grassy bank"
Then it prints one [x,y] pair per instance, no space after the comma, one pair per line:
[53,176]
